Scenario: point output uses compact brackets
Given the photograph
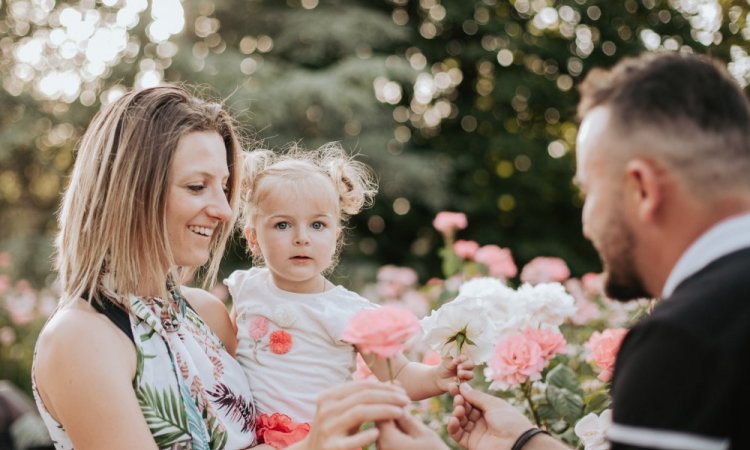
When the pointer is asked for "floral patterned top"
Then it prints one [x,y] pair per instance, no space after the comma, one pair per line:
[193,394]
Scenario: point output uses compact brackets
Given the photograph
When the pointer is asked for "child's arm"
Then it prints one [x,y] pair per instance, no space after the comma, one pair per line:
[419,380]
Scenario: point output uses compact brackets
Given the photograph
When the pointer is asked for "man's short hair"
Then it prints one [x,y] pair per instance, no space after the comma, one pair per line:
[683,109]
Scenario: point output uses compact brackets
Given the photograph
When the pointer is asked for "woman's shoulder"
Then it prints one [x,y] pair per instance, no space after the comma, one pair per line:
[78,342]
[78,325]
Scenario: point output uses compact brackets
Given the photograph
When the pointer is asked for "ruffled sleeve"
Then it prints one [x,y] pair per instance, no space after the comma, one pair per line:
[347,305]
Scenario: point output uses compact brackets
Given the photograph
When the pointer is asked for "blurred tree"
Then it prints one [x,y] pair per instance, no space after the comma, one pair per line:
[509,124]
[461,104]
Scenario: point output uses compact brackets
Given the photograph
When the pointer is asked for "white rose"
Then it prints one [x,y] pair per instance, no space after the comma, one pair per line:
[546,303]
[592,430]
[463,315]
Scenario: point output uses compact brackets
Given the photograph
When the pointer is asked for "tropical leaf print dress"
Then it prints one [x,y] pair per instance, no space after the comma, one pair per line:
[193,394]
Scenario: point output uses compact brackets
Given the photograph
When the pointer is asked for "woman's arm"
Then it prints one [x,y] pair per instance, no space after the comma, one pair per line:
[84,370]
[215,314]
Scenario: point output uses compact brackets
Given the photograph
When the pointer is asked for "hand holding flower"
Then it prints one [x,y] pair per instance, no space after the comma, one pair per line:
[452,370]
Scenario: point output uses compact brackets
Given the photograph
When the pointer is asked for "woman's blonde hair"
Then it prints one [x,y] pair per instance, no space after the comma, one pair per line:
[112,218]
[353,181]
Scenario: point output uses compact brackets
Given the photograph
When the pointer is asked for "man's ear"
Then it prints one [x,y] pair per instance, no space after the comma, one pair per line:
[252,240]
[644,188]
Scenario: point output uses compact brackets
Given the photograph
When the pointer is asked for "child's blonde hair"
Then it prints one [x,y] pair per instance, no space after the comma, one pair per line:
[353,181]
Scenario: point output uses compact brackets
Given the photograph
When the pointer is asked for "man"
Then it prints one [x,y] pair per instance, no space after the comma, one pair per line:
[664,162]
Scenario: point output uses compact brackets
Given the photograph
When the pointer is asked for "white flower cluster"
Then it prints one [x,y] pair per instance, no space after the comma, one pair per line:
[486,310]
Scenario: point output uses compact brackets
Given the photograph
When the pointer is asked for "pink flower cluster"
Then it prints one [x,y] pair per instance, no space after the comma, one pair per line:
[603,348]
[521,357]
[383,331]
[544,269]
[393,281]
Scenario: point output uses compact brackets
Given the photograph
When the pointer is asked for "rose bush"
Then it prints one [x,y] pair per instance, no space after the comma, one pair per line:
[544,341]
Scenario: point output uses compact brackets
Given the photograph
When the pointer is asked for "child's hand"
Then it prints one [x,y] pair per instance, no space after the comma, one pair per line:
[452,371]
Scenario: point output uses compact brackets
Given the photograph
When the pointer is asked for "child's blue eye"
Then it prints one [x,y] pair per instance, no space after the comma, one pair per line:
[282,225]
[318,225]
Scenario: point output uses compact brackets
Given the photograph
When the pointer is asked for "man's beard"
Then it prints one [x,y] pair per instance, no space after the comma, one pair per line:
[621,279]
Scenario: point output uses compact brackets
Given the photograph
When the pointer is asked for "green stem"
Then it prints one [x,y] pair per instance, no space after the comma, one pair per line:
[526,389]
[390,369]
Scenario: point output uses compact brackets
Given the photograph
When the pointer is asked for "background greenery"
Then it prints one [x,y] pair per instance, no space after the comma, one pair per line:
[463,105]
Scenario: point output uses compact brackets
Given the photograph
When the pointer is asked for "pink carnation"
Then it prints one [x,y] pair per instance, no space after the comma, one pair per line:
[383,331]
[448,222]
[517,359]
[544,269]
[550,341]
[499,261]
[604,347]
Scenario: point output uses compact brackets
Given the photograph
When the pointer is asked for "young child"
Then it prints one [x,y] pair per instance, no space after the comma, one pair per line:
[289,318]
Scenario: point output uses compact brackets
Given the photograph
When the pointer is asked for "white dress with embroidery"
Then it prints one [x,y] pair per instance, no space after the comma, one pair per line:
[290,344]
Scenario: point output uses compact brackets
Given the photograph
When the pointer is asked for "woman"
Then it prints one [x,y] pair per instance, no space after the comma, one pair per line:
[129,359]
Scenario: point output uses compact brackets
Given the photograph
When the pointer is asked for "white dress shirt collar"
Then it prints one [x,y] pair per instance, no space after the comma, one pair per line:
[722,239]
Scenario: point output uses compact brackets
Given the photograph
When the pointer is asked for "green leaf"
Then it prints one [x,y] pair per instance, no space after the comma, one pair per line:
[564,377]
[597,402]
[547,413]
[163,415]
[567,403]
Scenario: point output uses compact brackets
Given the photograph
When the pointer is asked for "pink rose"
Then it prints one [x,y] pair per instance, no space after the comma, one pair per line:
[258,328]
[465,249]
[593,284]
[516,360]
[543,269]
[604,347]
[383,331]
[499,261]
[550,341]
[448,222]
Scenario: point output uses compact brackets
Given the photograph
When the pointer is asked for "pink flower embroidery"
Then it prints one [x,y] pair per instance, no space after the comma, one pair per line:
[544,269]
[448,222]
[516,360]
[280,342]
[259,328]
[604,347]
[383,331]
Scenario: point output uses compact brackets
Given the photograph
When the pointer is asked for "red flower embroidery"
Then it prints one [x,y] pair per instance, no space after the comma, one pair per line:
[280,342]
[279,430]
